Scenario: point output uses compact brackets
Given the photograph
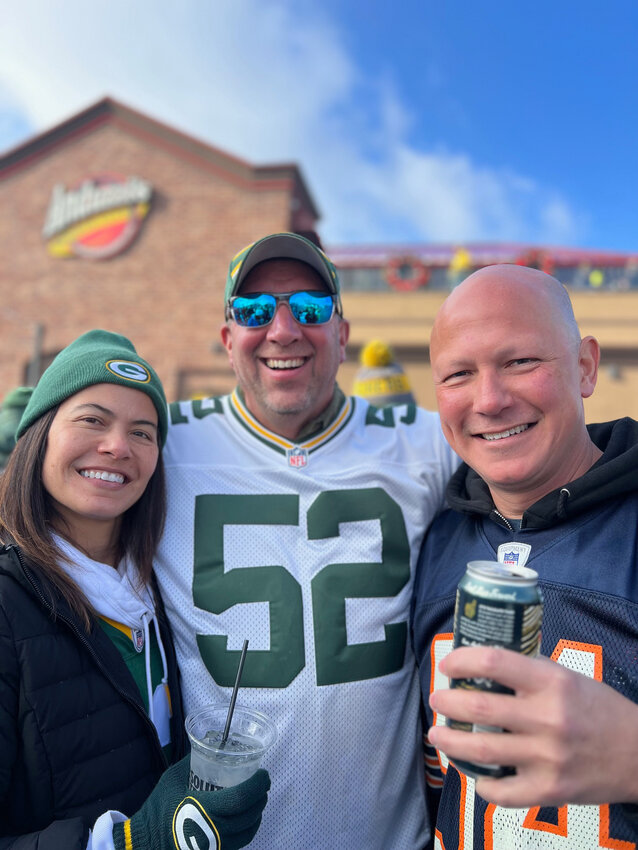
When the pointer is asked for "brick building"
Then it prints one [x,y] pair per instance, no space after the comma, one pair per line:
[114,220]
[192,207]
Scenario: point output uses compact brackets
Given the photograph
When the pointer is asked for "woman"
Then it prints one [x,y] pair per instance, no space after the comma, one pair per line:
[90,712]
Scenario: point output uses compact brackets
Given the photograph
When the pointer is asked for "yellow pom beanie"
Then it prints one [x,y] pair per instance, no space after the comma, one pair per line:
[381,380]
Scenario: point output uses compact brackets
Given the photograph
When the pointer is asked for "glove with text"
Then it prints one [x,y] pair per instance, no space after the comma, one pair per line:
[174,817]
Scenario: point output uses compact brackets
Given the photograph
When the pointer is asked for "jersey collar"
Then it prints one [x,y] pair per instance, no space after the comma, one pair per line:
[316,434]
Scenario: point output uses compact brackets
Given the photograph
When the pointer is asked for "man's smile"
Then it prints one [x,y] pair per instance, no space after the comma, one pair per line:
[509,432]
[278,363]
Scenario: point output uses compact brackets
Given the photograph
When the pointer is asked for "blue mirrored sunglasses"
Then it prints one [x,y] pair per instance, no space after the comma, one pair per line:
[258,310]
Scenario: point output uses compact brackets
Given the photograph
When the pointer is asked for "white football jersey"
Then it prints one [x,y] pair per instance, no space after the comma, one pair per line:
[308,551]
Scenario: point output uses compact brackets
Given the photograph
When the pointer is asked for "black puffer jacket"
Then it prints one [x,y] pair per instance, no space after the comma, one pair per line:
[75,739]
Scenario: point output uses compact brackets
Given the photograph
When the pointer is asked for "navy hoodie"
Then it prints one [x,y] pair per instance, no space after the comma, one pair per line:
[582,539]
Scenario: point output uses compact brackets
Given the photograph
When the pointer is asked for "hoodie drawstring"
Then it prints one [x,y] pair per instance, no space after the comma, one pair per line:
[561,508]
[147,617]
[162,653]
[147,658]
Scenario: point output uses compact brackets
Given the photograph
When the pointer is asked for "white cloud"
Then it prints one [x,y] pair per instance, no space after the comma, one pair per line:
[242,73]
[267,81]
[445,196]
[557,217]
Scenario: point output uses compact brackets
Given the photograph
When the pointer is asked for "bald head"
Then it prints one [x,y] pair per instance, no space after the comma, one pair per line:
[511,372]
[520,287]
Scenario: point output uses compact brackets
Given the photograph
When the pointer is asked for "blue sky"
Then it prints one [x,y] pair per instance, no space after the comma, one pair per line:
[412,121]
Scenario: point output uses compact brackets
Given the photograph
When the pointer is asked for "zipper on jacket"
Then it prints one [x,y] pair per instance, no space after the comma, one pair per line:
[504,520]
[82,637]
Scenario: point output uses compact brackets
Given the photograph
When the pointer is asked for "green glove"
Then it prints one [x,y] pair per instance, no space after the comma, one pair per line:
[174,817]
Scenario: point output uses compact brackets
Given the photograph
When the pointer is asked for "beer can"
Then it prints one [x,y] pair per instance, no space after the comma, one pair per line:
[496,605]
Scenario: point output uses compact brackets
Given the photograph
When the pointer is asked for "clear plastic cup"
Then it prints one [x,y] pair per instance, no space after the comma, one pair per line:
[214,766]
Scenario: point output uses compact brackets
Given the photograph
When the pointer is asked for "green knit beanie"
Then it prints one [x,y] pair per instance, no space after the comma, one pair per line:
[96,357]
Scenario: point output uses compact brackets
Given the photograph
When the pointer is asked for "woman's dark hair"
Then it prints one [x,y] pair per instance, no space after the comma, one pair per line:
[28,516]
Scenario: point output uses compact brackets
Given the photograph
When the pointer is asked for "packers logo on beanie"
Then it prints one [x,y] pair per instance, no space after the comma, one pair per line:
[96,357]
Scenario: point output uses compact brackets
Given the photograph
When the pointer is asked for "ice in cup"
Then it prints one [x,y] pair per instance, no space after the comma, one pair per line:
[215,766]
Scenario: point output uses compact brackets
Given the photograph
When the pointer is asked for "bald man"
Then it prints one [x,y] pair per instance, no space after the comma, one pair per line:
[540,487]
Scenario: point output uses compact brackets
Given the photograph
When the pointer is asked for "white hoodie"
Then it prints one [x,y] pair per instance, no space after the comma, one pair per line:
[119,594]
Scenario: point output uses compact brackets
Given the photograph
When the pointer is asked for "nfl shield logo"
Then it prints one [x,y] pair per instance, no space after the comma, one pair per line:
[297,457]
[514,554]
[138,639]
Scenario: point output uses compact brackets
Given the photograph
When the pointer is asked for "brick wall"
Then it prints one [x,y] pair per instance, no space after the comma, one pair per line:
[165,291]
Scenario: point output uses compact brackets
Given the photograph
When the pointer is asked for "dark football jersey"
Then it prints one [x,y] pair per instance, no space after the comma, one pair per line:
[588,573]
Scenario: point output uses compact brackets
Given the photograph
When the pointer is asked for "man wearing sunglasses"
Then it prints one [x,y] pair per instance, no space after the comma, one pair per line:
[296,516]
[285,333]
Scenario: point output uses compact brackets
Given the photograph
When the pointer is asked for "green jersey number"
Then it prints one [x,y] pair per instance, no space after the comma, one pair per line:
[216,590]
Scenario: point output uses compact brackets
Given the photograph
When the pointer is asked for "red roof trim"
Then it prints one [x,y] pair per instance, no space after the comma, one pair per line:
[486,253]
[201,154]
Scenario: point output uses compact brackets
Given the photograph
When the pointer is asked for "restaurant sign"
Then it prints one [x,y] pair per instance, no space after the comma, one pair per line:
[97,220]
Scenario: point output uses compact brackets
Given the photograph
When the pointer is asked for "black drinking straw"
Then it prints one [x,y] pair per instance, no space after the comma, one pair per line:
[231,708]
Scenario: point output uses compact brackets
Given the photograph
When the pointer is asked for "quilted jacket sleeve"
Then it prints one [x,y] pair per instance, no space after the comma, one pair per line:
[8,706]
[72,834]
